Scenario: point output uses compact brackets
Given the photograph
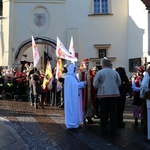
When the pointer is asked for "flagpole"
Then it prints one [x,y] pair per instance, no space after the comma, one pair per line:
[84,107]
[55,93]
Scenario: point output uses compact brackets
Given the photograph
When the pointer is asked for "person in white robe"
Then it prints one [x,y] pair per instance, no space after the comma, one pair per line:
[145,90]
[72,97]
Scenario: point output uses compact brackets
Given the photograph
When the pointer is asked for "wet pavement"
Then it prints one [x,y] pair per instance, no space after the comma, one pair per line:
[22,127]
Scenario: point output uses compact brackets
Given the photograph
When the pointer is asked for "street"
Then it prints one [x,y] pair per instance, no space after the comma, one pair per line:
[44,129]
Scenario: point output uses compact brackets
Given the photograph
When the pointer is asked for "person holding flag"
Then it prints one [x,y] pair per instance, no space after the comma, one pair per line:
[87,98]
[62,52]
[33,70]
[48,74]
[46,81]
[31,95]
[59,84]
[59,69]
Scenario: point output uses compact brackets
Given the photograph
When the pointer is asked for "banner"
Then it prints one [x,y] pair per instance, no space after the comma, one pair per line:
[48,74]
[36,56]
[59,68]
[62,52]
[71,47]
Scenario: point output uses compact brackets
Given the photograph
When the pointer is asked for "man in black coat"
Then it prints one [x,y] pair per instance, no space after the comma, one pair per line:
[124,88]
[31,96]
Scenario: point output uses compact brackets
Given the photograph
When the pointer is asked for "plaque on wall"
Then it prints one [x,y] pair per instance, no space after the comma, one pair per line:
[39,20]
[135,62]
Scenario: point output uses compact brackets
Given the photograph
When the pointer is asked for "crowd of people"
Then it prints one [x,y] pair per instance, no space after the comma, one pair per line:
[102,93]
[83,93]
[28,85]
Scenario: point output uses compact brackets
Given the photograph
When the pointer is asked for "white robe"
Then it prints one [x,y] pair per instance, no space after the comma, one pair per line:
[144,85]
[144,88]
[72,98]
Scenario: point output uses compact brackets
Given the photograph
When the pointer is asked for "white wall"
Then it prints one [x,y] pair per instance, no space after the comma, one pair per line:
[23,22]
[102,29]
[6,32]
[137,29]
[125,29]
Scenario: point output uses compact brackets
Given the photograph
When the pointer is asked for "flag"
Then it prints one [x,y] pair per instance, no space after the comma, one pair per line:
[59,68]
[71,47]
[36,56]
[62,52]
[48,74]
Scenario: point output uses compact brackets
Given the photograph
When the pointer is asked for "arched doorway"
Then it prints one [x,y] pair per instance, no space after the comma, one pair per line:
[47,52]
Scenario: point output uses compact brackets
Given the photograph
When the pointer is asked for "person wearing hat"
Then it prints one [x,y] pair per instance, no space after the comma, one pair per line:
[87,98]
[137,102]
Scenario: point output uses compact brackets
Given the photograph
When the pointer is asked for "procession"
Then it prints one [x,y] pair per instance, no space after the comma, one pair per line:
[74,77]
[82,92]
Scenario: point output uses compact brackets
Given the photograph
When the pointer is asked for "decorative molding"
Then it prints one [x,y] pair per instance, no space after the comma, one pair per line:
[39,19]
[98,59]
[38,40]
[101,46]
[1,17]
[39,1]
[101,14]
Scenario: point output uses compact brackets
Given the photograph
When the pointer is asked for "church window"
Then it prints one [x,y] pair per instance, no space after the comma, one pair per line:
[100,7]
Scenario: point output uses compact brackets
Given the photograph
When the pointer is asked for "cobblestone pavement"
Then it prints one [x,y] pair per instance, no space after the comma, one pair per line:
[44,129]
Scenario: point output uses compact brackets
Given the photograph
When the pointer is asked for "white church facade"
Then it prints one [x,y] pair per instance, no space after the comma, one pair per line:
[117,29]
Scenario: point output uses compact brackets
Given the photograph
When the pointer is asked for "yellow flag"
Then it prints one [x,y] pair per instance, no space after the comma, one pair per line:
[48,74]
[59,68]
